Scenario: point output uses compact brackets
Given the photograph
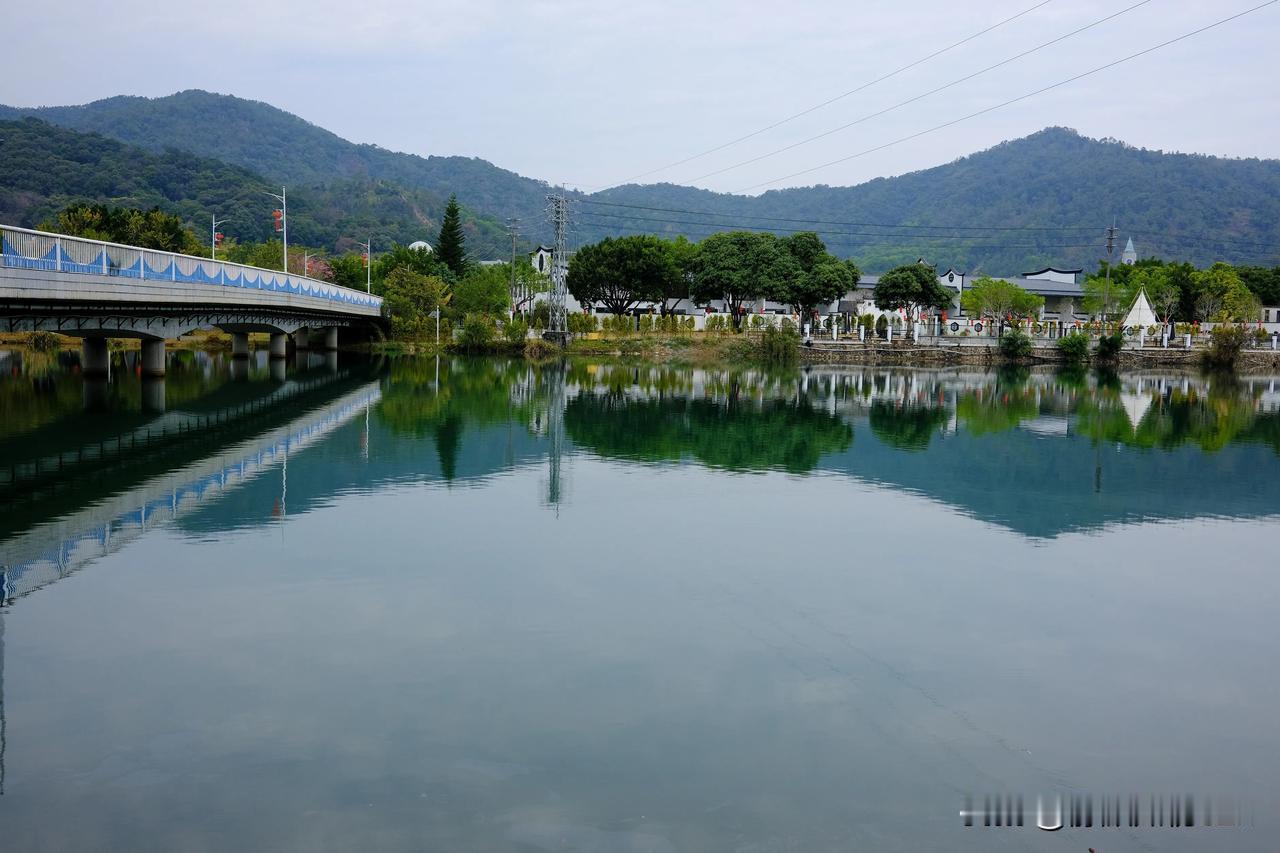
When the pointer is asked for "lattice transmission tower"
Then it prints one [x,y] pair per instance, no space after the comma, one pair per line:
[558,210]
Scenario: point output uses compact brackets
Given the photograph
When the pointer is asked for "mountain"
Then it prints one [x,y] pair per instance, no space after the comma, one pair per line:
[1178,206]
[43,168]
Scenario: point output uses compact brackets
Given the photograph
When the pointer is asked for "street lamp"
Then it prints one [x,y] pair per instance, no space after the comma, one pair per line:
[214,235]
[282,223]
[368,263]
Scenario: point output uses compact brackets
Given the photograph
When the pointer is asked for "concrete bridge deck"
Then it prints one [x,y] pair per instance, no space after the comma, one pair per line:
[96,291]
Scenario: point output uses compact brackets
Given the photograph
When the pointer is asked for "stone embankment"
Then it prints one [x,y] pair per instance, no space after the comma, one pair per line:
[924,354]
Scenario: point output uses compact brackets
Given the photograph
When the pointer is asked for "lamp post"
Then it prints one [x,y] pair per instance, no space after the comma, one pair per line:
[306,265]
[368,263]
[213,235]
[284,223]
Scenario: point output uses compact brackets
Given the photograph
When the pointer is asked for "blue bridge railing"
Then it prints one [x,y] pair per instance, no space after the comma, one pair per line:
[23,248]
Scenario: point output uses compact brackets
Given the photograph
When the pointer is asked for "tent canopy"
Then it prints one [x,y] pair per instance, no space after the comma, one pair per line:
[1140,313]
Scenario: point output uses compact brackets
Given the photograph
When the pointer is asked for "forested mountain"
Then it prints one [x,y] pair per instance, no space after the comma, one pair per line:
[1177,206]
[43,168]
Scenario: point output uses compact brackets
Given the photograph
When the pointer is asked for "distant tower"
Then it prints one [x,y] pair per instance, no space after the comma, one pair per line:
[1130,255]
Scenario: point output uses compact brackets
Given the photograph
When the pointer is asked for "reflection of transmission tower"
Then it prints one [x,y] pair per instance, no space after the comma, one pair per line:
[558,327]
[555,431]
[4,591]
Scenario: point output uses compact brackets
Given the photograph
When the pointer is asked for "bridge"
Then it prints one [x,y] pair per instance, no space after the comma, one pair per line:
[97,291]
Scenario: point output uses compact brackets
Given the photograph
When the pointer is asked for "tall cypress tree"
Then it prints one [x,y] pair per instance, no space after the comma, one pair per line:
[451,245]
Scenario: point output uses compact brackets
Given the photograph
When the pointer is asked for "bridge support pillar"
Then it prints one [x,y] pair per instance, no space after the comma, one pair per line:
[279,344]
[239,369]
[95,357]
[239,344]
[331,338]
[276,369]
[153,394]
[152,357]
[302,338]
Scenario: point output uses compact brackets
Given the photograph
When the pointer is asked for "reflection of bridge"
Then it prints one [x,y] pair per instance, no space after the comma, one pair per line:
[50,551]
[96,291]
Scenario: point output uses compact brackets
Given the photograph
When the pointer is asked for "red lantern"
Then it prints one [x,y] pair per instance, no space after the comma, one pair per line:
[217,238]
[278,217]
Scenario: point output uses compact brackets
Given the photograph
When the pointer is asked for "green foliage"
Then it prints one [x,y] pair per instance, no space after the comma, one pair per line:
[1109,347]
[1225,343]
[540,316]
[906,426]
[716,324]
[582,323]
[740,267]
[451,245]
[1074,347]
[410,298]
[1015,345]
[819,278]
[1223,297]
[1000,300]
[911,288]
[483,290]
[516,331]
[779,346]
[476,333]
[151,229]
[622,272]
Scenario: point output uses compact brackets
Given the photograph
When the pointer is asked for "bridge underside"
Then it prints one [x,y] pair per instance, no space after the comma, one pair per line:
[159,323]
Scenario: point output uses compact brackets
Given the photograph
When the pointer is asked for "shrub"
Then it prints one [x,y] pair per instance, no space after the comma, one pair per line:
[582,323]
[1074,347]
[43,341]
[1261,337]
[689,324]
[477,332]
[540,316]
[1225,343]
[646,322]
[538,348]
[515,331]
[757,321]
[1109,347]
[1015,345]
[882,326]
[779,346]
[717,324]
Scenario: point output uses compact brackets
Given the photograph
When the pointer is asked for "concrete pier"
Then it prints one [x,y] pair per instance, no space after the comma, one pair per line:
[277,370]
[279,345]
[239,369]
[302,338]
[239,344]
[152,357]
[331,338]
[95,357]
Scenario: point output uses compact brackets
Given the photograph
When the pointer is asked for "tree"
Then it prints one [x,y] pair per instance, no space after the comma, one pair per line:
[911,288]
[410,299]
[451,245]
[1221,295]
[671,291]
[484,290]
[740,267]
[1164,295]
[622,272]
[998,299]
[820,277]
[150,229]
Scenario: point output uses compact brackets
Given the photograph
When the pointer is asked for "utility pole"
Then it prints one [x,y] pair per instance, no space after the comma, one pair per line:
[1106,297]
[213,235]
[559,212]
[283,222]
[516,298]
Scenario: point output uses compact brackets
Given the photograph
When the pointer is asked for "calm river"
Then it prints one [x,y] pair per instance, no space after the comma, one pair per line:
[477,605]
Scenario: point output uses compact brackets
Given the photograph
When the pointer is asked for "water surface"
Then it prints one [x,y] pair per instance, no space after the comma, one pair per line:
[483,605]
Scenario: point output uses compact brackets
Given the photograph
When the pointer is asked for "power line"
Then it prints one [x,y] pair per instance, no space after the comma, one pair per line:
[1011,101]
[839,97]
[845,224]
[901,104]
[1183,238]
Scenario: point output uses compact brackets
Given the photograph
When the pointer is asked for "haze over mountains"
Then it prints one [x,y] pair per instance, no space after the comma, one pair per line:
[973,213]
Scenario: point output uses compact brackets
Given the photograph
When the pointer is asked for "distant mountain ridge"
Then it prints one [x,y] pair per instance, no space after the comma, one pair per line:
[1184,206]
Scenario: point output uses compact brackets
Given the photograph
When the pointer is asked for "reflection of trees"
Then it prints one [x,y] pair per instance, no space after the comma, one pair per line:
[998,408]
[426,399]
[1210,420]
[906,427]
[724,433]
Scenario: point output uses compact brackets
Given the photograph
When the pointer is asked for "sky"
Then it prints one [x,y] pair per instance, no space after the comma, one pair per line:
[591,94]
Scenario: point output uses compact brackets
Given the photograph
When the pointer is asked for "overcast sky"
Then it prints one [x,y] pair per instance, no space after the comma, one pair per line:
[593,93]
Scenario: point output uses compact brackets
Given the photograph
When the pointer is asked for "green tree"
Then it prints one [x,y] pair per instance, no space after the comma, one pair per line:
[911,288]
[484,290]
[740,267]
[820,277]
[150,229]
[451,245]
[410,299]
[999,300]
[622,272]
[1221,295]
